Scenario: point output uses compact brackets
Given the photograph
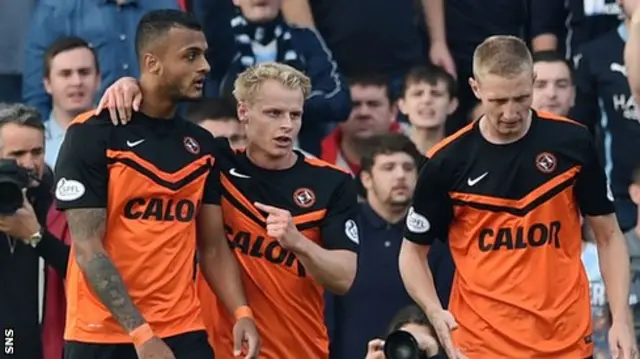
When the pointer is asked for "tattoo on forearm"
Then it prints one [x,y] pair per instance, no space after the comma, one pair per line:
[89,224]
[109,286]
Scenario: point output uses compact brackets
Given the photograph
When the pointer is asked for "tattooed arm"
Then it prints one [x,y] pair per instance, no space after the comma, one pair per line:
[87,227]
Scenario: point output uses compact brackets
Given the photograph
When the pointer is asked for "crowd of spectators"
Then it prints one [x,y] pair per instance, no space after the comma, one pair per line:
[389,81]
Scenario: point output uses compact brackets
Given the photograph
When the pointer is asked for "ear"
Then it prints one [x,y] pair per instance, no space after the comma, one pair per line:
[475,87]
[365,178]
[634,193]
[453,105]
[402,106]
[151,63]
[243,113]
[236,3]
[47,85]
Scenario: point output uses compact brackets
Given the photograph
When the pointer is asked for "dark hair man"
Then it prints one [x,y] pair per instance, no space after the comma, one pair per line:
[373,112]
[72,79]
[389,173]
[29,291]
[139,198]
[553,87]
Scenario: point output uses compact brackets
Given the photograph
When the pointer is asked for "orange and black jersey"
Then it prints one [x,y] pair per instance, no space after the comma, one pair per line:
[511,214]
[152,176]
[287,302]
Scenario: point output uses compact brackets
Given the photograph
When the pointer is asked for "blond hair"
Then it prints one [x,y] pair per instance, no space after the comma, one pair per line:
[502,55]
[250,80]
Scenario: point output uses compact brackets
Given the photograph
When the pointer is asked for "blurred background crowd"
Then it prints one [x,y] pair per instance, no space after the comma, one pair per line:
[388,77]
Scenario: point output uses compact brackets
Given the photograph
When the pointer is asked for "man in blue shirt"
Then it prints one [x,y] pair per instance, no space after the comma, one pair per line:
[389,173]
[109,26]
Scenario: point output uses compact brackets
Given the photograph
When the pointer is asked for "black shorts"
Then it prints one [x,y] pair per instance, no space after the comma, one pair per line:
[192,345]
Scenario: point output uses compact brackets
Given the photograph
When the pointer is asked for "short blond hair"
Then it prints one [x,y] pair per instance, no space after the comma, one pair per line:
[502,55]
[250,80]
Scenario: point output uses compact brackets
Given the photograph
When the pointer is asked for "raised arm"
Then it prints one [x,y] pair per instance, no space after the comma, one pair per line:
[334,264]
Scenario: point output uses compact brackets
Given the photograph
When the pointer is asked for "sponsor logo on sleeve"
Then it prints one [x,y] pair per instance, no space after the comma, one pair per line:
[416,222]
[69,190]
[351,230]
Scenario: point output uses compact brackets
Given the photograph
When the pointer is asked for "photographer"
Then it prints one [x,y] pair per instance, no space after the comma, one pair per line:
[412,320]
[31,295]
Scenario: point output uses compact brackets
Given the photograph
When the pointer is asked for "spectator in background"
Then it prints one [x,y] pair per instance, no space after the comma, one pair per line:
[553,88]
[604,102]
[14,19]
[108,26]
[412,320]
[373,112]
[71,78]
[350,28]
[428,97]
[632,53]
[220,117]
[255,32]
[389,173]
[564,26]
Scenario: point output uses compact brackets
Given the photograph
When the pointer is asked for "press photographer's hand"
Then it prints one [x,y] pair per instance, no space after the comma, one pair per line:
[375,349]
[22,224]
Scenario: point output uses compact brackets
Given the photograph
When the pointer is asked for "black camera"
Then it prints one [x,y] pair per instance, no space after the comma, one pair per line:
[402,345]
[13,179]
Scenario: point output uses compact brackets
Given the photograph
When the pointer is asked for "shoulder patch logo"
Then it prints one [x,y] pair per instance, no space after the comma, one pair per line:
[351,231]
[69,190]
[546,162]
[191,145]
[304,197]
[417,223]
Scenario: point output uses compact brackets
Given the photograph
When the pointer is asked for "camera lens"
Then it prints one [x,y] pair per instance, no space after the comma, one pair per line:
[11,197]
[401,345]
